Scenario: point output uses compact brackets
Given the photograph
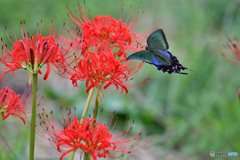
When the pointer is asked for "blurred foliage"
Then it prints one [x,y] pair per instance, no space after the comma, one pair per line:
[192,114]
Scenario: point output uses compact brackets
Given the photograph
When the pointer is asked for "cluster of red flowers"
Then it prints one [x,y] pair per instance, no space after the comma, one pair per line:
[12,105]
[94,138]
[103,42]
[31,53]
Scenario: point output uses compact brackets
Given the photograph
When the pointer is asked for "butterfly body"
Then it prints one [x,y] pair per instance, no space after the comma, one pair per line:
[157,54]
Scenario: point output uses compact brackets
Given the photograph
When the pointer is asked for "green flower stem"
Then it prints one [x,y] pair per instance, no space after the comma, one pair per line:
[33,118]
[72,155]
[95,110]
[87,156]
[87,104]
[97,103]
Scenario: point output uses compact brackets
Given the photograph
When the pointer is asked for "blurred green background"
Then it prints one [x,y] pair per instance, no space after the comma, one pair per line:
[187,115]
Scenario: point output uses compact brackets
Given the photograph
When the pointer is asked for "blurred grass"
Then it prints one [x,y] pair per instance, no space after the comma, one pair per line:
[192,114]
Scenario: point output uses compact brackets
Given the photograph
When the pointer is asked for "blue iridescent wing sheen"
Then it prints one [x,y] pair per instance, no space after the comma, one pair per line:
[144,56]
[162,56]
[157,40]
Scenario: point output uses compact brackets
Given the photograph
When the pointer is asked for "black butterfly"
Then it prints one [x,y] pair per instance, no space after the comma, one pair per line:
[156,54]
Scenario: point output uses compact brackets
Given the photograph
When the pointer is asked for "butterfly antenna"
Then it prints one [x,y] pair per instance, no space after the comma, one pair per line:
[190,70]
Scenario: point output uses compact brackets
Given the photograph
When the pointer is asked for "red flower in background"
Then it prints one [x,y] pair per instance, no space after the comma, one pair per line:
[96,139]
[232,47]
[31,54]
[11,104]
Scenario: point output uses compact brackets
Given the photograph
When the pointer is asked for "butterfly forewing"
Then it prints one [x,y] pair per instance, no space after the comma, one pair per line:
[144,56]
[157,40]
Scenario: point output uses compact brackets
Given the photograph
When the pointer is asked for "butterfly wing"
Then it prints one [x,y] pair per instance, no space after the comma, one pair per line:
[157,40]
[161,56]
[157,54]
[144,56]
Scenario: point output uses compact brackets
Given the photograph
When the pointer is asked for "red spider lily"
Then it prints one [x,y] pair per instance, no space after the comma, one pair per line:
[232,47]
[102,33]
[94,138]
[12,105]
[31,54]
[105,33]
[102,68]
[103,42]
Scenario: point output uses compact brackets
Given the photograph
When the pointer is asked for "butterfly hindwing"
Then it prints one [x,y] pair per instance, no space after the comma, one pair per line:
[144,56]
[157,40]
[163,56]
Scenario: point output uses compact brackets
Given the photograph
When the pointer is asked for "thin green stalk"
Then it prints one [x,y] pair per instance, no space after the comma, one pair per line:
[95,109]
[97,103]
[87,156]
[87,104]
[33,118]
[71,156]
